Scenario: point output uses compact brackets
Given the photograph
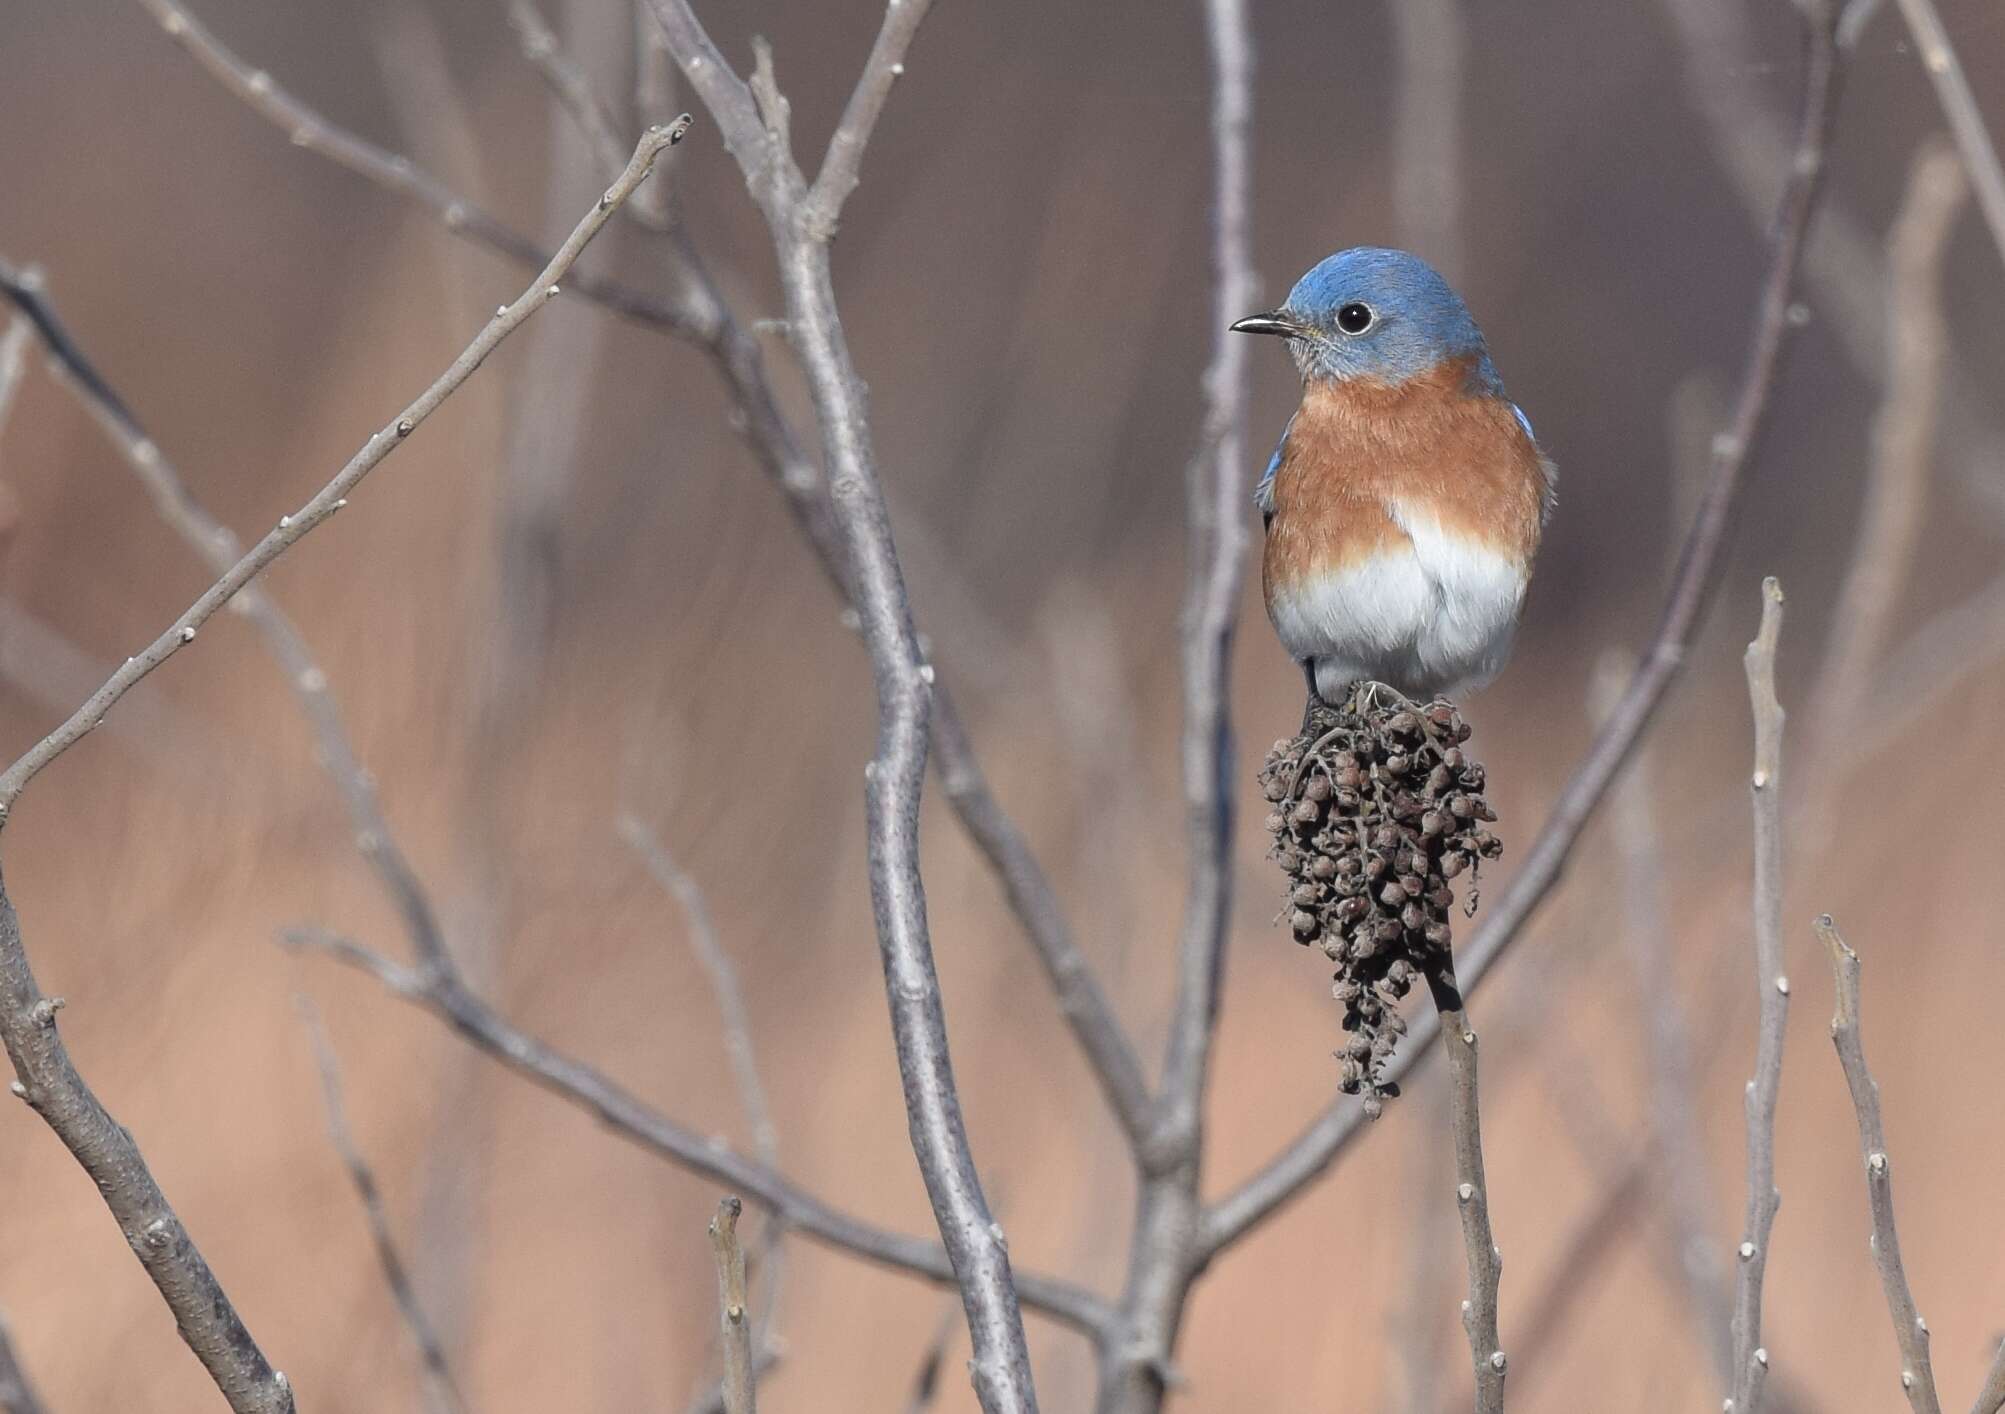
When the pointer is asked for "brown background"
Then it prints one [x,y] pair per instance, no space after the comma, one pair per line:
[1025,279]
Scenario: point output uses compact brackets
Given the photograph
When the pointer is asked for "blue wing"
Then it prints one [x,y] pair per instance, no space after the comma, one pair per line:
[1263,494]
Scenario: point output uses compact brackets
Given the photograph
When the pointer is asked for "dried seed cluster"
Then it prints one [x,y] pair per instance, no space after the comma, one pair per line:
[1375,810]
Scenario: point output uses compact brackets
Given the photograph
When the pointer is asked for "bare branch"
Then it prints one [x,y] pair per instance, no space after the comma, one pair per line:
[218,548]
[49,1082]
[448,998]
[1959,107]
[734,1314]
[1910,1330]
[1750,1358]
[1991,1398]
[333,496]
[1903,437]
[441,1387]
[698,313]
[47,1079]
[17,1396]
[1080,998]
[1472,1195]
[14,353]
[1310,1154]
[567,81]
[1679,1172]
[895,776]
[310,130]
[1164,1258]
[843,163]
[723,975]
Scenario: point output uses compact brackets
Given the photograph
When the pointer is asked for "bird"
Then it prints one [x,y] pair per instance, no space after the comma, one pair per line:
[1406,499]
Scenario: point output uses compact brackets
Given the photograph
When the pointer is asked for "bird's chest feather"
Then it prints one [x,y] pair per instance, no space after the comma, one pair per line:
[1422,471]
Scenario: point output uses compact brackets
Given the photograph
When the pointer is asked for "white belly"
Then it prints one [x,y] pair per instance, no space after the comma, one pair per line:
[1434,615]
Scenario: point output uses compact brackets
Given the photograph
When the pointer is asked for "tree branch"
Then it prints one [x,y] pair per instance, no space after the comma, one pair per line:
[449,999]
[333,496]
[734,1316]
[1310,1155]
[47,1078]
[17,1396]
[442,1388]
[842,164]
[1959,107]
[50,1083]
[904,681]
[699,314]
[567,81]
[1772,988]
[1910,1330]
[308,129]
[1472,1196]
[1164,1258]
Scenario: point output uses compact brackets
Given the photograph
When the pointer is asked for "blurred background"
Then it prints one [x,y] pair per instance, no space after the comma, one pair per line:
[574,595]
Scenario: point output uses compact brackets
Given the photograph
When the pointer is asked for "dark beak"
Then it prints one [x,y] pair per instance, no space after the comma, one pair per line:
[1275,323]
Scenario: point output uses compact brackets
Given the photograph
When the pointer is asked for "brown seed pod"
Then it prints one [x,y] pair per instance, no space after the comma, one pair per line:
[1370,831]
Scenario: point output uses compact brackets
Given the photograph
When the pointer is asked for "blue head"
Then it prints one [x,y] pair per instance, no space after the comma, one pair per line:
[1379,315]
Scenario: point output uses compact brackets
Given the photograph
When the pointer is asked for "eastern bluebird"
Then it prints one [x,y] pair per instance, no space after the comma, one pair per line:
[1405,501]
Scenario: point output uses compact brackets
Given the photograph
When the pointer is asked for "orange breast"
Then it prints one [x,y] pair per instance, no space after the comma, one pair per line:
[1356,448]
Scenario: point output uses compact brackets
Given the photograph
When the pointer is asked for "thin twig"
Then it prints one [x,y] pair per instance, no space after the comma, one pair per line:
[926,1379]
[333,496]
[675,881]
[448,998]
[1991,1398]
[1678,1175]
[1163,1259]
[734,1314]
[1959,107]
[1763,1198]
[47,1079]
[219,548]
[754,122]
[1910,1330]
[698,313]
[1311,1153]
[14,354]
[17,1396]
[51,1085]
[567,80]
[441,1386]
[308,129]
[1903,436]
[1472,1196]
[842,165]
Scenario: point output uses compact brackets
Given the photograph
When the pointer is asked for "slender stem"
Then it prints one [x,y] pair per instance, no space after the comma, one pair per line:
[1472,1196]
[698,313]
[52,1086]
[1164,1258]
[842,165]
[1959,107]
[449,999]
[734,1313]
[568,82]
[1310,1154]
[17,1396]
[1910,1330]
[308,129]
[754,121]
[1772,990]
[441,1386]
[334,495]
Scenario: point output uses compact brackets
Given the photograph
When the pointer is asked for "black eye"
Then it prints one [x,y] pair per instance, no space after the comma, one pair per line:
[1355,318]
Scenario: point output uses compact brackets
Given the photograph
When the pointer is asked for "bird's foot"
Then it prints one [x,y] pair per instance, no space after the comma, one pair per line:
[1370,696]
